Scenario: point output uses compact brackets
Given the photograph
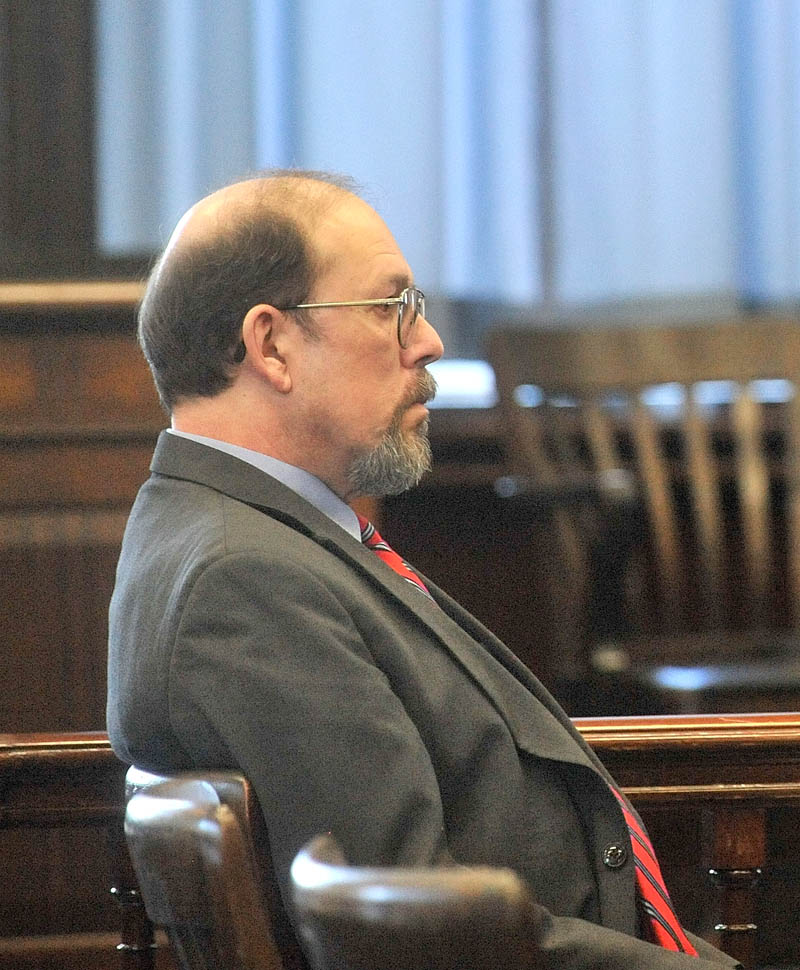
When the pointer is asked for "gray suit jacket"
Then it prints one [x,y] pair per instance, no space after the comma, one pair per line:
[248,630]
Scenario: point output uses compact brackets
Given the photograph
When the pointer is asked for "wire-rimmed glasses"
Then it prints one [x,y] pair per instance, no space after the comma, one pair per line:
[410,304]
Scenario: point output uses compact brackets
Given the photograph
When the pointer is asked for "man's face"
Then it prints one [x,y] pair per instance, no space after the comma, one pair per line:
[362,394]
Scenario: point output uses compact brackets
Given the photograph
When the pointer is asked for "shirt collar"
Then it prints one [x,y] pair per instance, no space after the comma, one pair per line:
[297,479]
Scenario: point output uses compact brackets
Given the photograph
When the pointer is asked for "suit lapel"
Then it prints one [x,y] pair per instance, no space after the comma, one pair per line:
[515,697]
[533,733]
[518,698]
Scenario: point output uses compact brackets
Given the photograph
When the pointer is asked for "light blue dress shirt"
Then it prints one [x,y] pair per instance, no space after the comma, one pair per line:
[297,479]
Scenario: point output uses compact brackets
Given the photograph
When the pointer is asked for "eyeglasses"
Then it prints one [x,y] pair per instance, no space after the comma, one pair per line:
[410,304]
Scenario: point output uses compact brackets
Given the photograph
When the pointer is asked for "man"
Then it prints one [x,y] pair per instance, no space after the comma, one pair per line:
[251,626]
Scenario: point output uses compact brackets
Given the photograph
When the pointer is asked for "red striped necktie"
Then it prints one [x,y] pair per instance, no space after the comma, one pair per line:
[372,540]
[665,928]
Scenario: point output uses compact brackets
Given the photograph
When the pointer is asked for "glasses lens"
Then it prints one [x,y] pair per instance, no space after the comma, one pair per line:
[412,305]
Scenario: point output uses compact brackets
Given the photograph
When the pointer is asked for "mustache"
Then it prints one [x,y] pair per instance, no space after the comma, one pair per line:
[422,391]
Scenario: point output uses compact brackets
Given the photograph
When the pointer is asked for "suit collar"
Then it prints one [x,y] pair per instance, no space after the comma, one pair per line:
[179,457]
[183,458]
[300,481]
[446,620]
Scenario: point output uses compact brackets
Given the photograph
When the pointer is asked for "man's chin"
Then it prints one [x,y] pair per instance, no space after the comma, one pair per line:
[420,428]
[395,465]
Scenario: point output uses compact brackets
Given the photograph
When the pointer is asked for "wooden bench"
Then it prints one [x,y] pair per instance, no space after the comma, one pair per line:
[721,796]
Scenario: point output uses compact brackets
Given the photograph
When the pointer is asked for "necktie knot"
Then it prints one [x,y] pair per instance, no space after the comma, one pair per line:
[372,540]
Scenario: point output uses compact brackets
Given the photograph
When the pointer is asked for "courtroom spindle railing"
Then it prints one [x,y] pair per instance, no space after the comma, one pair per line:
[716,791]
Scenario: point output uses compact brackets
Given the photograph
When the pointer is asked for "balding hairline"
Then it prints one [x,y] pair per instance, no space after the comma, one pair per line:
[302,198]
[293,194]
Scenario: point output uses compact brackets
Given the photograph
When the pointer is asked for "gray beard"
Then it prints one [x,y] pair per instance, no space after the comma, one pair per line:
[394,465]
[402,457]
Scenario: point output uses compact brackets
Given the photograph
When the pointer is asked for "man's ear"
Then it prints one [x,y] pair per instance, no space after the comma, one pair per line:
[264,335]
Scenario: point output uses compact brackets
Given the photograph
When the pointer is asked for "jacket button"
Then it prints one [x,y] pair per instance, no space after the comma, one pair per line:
[615,855]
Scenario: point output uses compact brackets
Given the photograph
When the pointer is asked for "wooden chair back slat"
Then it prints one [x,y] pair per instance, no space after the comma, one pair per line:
[600,437]
[531,451]
[704,484]
[658,499]
[754,498]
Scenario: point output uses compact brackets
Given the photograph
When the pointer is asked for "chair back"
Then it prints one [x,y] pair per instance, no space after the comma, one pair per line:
[459,918]
[199,849]
[699,428]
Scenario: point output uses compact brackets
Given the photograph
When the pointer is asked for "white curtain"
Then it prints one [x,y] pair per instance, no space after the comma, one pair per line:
[644,191]
[523,151]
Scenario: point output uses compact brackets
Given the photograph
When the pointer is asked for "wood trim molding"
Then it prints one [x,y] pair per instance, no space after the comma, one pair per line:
[52,778]
[47,172]
[46,743]
[760,794]
[46,296]
[62,527]
[749,742]
[702,759]
[696,731]
[751,739]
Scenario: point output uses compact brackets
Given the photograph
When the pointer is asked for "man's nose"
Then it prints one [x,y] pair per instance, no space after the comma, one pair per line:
[426,345]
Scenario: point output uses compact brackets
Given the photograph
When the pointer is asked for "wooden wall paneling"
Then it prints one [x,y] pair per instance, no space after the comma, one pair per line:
[33,644]
[46,129]
[777,893]
[56,577]
[6,150]
[75,384]
[54,596]
[61,852]
[56,881]
[78,420]
[53,472]
[62,790]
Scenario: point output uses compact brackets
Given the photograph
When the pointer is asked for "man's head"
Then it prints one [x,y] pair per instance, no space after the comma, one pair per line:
[329,389]
[245,244]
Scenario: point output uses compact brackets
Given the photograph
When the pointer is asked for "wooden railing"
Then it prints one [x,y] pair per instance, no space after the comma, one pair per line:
[720,794]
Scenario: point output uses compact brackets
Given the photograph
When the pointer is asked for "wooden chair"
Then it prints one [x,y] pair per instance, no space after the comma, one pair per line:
[197,845]
[201,855]
[667,459]
[353,918]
